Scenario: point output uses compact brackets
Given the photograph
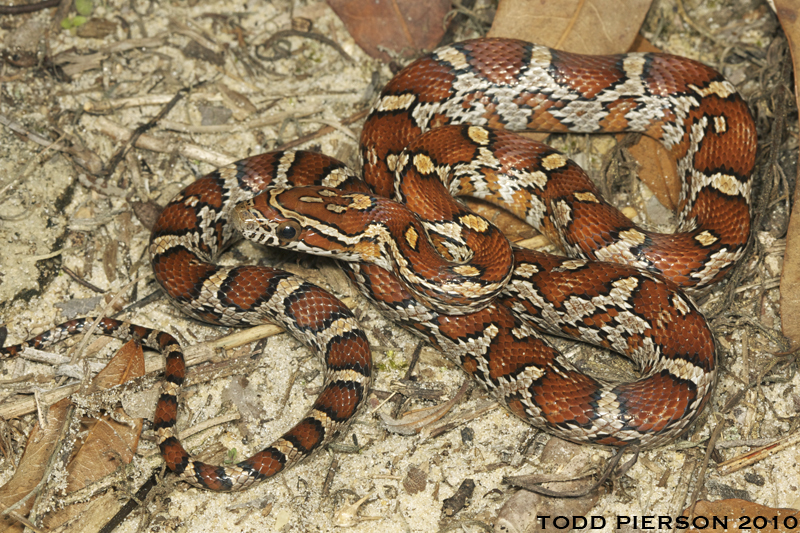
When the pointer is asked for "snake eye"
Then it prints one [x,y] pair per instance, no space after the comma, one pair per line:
[288,231]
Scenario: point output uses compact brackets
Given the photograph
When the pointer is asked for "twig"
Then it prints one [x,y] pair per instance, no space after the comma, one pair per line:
[459,419]
[159,145]
[205,41]
[335,125]
[235,128]
[152,297]
[740,443]
[115,104]
[29,8]
[307,35]
[24,521]
[75,63]
[324,131]
[535,486]
[206,424]
[287,393]
[82,281]
[697,27]
[737,463]
[141,129]
[701,476]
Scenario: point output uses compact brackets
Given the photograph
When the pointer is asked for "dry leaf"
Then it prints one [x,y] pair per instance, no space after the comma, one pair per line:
[41,443]
[788,12]
[108,444]
[580,26]
[641,44]
[657,166]
[658,169]
[96,28]
[416,479]
[405,27]
[108,441]
[238,103]
[742,515]
[146,212]
[460,499]
[521,510]
[515,229]
[127,364]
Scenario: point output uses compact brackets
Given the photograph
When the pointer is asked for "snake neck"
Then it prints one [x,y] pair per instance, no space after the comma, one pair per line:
[358,227]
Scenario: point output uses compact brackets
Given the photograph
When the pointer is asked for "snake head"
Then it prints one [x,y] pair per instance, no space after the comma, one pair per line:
[316,220]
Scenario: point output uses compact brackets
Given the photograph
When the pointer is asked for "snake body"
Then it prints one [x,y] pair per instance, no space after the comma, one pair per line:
[483,301]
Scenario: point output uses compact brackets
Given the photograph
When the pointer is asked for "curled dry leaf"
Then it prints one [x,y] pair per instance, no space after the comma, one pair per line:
[404,27]
[460,499]
[108,442]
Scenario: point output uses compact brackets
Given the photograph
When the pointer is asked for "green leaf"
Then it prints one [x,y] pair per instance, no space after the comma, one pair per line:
[84,7]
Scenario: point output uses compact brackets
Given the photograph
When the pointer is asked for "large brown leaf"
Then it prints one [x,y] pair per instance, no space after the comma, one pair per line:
[405,27]
[108,444]
[788,14]
[580,26]
[41,444]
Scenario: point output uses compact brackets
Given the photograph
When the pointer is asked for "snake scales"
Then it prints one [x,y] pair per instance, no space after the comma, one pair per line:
[483,301]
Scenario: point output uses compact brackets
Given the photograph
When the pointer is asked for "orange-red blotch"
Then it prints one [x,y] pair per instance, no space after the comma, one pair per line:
[267,463]
[339,401]
[307,434]
[350,350]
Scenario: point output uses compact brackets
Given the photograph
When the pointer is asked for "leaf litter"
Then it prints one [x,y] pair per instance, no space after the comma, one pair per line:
[79,102]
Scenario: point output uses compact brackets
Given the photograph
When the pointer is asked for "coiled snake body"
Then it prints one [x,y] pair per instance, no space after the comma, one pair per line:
[449,275]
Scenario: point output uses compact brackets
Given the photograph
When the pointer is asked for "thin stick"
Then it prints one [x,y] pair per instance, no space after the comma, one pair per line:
[29,8]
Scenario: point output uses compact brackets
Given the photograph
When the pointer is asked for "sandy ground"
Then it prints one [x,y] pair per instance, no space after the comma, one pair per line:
[50,220]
